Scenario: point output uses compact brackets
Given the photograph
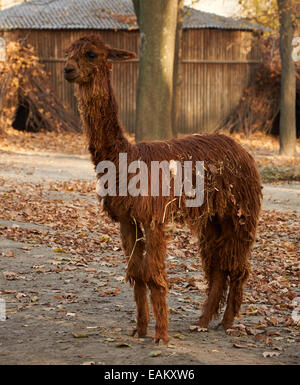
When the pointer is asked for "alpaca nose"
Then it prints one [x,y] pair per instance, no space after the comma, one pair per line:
[69,69]
[70,72]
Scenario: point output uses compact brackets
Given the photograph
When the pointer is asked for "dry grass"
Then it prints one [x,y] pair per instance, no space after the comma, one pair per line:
[273,167]
[66,142]
[265,149]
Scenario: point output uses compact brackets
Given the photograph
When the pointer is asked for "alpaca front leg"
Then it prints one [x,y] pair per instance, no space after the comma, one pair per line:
[133,245]
[160,310]
[155,272]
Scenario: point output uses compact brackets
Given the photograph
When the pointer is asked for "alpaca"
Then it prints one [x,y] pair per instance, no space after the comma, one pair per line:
[225,223]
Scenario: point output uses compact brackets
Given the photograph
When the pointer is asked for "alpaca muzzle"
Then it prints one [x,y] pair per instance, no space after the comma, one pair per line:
[70,73]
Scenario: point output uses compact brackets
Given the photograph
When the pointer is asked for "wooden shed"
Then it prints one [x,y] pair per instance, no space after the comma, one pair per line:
[219,54]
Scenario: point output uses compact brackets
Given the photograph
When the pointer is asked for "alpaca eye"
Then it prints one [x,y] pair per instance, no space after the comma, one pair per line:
[91,55]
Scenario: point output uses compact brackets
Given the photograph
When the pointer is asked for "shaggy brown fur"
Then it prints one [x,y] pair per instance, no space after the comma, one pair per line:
[225,224]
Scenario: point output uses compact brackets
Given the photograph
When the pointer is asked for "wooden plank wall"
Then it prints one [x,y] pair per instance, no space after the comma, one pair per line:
[216,66]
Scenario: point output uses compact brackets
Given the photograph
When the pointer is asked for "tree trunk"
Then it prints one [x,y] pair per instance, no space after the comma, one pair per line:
[177,74]
[288,81]
[157,22]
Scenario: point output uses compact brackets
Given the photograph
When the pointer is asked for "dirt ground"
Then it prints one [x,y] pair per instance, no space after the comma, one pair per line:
[62,277]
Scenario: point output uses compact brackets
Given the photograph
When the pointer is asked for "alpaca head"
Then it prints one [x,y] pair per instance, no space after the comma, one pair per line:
[86,56]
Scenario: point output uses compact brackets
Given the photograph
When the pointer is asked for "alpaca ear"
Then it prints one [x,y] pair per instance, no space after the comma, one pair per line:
[120,54]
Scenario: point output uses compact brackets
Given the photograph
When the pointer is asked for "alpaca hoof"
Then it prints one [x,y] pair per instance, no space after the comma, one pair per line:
[140,333]
[202,323]
[164,338]
[227,325]
[232,332]
[157,340]
[228,330]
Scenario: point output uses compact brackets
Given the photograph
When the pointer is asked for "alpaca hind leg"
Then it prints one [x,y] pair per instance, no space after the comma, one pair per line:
[217,280]
[215,276]
[157,279]
[142,317]
[133,246]
[235,297]
[235,259]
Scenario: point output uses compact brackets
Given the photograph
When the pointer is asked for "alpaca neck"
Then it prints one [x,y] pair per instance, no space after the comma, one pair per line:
[99,114]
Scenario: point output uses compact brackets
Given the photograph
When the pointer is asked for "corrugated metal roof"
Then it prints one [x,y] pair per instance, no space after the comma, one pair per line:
[99,14]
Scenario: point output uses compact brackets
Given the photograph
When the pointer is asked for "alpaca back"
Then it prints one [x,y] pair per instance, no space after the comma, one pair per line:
[231,182]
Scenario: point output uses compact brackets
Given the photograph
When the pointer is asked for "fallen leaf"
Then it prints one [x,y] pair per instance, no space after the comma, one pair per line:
[123,345]
[154,353]
[268,341]
[253,332]
[234,332]
[197,328]
[5,291]
[108,339]
[261,326]
[271,354]
[179,336]
[104,239]
[238,346]
[112,291]
[273,333]
[80,335]
[11,310]
[59,250]
[10,275]
[19,296]
[173,311]
[273,321]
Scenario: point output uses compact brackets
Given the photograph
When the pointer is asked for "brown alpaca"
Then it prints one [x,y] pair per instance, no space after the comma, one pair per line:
[225,223]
